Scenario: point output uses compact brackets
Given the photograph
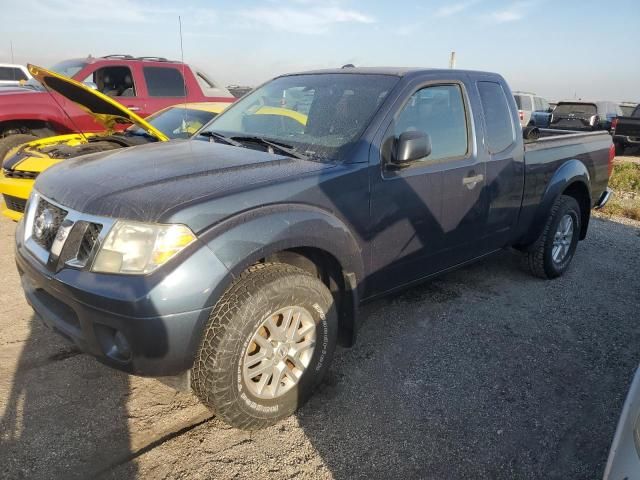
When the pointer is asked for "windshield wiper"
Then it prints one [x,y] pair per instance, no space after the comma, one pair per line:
[215,136]
[275,146]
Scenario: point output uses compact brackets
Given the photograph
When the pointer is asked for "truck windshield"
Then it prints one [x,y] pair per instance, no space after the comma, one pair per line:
[68,68]
[317,115]
[575,108]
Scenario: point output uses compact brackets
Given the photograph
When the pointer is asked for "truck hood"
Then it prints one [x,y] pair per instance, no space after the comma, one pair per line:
[104,109]
[152,182]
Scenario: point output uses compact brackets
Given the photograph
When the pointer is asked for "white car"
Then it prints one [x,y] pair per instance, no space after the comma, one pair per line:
[624,456]
[11,74]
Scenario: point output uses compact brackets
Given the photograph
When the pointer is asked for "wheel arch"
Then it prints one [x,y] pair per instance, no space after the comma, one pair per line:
[307,237]
[572,179]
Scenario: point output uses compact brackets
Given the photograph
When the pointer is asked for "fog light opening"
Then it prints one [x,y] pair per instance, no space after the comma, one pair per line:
[121,348]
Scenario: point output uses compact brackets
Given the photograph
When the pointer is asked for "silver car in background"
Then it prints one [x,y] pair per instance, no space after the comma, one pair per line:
[532,109]
[624,456]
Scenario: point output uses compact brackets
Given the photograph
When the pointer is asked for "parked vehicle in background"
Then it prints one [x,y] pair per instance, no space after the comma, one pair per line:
[237,260]
[239,91]
[22,163]
[626,132]
[628,108]
[624,455]
[584,115]
[11,74]
[532,110]
[142,84]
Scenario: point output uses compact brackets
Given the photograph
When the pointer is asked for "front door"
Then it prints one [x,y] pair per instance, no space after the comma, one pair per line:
[428,215]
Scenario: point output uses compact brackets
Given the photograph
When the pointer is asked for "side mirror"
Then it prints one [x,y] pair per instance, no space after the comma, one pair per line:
[91,85]
[550,110]
[412,146]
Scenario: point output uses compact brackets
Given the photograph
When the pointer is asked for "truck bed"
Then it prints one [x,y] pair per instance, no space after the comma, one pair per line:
[628,127]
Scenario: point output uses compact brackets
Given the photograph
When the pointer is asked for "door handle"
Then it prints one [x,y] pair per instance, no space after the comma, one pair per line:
[471,182]
[133,109]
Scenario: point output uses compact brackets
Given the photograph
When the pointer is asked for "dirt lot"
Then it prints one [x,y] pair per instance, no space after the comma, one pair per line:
[486,372]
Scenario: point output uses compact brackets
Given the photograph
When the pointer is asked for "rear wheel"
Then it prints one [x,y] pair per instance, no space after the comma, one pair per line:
[268,343]
[620,148]
[7,143]
[552,252]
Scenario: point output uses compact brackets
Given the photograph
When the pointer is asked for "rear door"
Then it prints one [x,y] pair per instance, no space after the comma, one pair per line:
[165,86]
[504,153]
[428,216]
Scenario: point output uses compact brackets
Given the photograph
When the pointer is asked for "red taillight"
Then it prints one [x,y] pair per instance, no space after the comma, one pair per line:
[521,113]
[614,124]
[612,154]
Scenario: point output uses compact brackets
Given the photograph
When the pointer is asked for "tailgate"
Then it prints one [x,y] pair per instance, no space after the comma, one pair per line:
[571,122]
[628,126]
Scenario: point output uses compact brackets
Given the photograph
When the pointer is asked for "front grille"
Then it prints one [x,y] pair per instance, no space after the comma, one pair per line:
[14,203]
[89,240]
[19,174]
[47,221]
[61,237]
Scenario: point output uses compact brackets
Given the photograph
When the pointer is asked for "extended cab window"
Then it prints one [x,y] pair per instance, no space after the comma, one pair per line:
[497,116]
[113,81]
[164,82]
[438,111]
[11,73]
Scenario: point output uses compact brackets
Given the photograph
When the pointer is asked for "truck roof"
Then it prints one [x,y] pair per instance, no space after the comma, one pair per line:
[396,71]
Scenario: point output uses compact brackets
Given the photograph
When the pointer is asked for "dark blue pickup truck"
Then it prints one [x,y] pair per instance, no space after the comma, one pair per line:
[237,260]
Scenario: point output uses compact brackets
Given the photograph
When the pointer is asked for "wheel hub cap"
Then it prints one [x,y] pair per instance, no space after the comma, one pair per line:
[279,352]
[562,239]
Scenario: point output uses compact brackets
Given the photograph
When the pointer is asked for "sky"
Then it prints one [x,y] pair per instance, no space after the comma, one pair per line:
[559,49]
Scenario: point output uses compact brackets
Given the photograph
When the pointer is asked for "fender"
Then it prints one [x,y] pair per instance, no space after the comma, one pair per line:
[571,172]
[246,238]
[34,106]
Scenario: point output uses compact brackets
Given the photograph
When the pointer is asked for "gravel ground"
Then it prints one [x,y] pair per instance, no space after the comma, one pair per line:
[483,373]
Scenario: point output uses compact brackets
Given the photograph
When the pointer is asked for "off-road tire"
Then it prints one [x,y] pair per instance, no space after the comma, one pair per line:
[537,258]
[7,143]
[217,371]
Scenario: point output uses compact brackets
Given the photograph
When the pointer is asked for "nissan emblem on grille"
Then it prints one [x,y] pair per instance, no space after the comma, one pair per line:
[43,224]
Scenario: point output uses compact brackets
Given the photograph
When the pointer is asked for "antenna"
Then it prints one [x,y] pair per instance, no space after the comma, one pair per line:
[452,60]
[184,80]
[11,45]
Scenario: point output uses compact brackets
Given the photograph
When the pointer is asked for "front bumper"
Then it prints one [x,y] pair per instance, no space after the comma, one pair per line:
[17,189]
[160,317]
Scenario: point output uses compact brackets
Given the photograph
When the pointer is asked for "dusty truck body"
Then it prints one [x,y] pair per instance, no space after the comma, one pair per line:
[237,260]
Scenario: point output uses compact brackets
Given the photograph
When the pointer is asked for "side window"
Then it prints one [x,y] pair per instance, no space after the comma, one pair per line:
[537,101]
[497,116]
[113,81]
[545,105]
[164,82]
[12,73]
[438,111]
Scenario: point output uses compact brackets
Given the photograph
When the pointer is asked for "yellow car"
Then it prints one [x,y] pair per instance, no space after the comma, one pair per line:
[22,163]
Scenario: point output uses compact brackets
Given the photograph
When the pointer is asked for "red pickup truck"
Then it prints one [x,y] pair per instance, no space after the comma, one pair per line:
[143,84]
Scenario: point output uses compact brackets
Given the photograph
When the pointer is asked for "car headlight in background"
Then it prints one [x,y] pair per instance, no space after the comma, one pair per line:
[139,248]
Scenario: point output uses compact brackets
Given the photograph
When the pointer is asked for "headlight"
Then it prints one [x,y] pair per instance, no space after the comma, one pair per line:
[138,248]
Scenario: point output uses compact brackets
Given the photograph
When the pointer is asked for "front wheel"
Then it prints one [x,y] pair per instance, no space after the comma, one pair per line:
[268,343]
[552,252]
